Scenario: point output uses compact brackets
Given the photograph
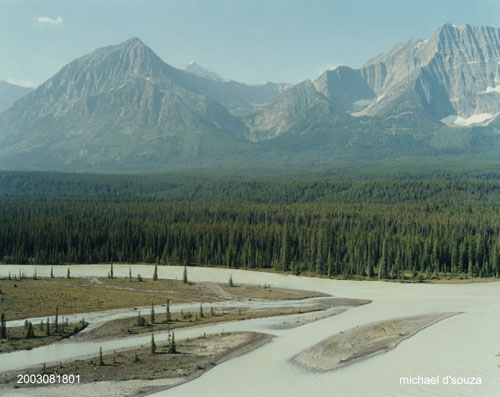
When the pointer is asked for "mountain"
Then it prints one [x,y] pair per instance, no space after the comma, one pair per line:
[299,109]
[237,97]
[9,93]
[119,105]
[123,109]
[345,88]
[453,76]
[195,68]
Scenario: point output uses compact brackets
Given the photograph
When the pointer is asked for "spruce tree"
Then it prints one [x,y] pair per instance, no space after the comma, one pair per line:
[185,275]
[369,269]
[68,275]
[169,316]
[141,322]
[3,327]
[172,348]
[28,331]
[155,273]
[152,313]
[285,256]
[101,360]
[153,344]
[230,283]
[47,327]
[51,272]
[56,320]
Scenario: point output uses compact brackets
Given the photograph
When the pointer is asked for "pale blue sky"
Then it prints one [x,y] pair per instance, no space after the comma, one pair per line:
[253,41]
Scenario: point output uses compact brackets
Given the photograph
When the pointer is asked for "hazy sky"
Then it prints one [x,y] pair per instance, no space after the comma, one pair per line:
[252,41]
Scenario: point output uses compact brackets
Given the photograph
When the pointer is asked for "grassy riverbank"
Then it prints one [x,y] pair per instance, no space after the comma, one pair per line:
[19,338]
[193,357]
[28,298]
[130,326]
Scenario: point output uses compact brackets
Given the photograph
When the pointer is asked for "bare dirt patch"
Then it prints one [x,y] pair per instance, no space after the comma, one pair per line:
[363,342]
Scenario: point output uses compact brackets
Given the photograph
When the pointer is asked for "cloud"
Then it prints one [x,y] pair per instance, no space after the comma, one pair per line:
[22,83]
[50,21]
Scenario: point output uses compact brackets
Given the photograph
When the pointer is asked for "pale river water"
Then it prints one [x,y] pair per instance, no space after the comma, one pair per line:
[464,345]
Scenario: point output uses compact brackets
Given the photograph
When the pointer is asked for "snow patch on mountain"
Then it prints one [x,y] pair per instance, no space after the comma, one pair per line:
[363,103]
[490,89]
[465,122]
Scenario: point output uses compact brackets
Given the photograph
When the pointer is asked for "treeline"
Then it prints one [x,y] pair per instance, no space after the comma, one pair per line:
[46,186]
[453,236]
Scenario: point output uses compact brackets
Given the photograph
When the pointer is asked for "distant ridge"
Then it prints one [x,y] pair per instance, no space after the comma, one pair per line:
[9,93]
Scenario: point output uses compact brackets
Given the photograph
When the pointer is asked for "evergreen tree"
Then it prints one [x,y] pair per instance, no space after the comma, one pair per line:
[3,327]
[152,313]
[51,272]
[285,256]
[47,327]
[369,269]
[172,349]
[185,276]
[28,332]
[230,283]
[56,320]
[153,344]
[68,275]
[169,316]
[201,311]
[101,360]
[382,262]
[155,273]
[141,321]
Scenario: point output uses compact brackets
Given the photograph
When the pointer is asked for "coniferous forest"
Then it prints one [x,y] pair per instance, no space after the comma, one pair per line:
[379,228]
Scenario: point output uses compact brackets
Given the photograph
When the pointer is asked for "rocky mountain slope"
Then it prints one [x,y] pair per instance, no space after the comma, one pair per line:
[454,75]
[118,105]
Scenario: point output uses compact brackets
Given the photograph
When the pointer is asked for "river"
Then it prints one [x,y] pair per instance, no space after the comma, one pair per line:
[462,346]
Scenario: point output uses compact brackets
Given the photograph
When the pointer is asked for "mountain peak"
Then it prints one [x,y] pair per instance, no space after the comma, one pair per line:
[132,42]
[194,68]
